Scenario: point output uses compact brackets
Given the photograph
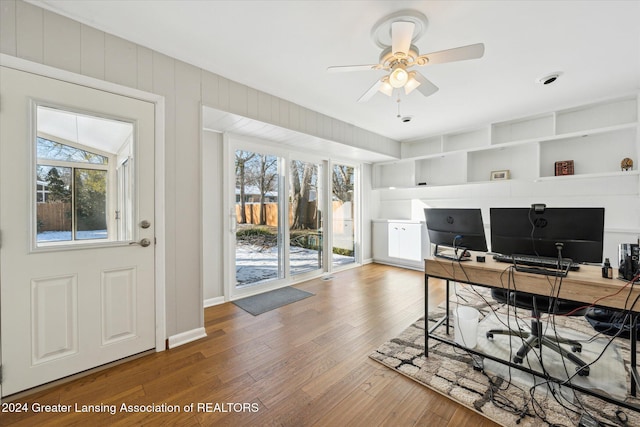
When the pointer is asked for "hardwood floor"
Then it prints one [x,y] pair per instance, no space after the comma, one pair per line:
[305,364]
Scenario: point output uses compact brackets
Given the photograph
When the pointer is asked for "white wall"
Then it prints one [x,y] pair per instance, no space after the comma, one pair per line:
[32,33]
[618,195]
[212,217]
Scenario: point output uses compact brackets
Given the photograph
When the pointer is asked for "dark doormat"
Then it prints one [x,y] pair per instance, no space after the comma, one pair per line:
[268,301]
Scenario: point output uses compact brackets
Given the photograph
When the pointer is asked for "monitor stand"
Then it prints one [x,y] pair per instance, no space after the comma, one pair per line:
[462,256]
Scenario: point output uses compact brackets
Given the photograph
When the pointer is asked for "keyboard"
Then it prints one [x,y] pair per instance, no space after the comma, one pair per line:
[538,262]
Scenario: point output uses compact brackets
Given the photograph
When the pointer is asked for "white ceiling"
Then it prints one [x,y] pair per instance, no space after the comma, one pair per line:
[284,47]
[104,134]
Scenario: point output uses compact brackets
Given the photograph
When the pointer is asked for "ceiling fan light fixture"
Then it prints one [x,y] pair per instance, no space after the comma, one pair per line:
[398,77]
[385,87]
[412,83]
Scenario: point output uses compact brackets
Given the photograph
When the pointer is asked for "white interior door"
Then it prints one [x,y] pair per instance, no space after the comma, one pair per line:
[77,293]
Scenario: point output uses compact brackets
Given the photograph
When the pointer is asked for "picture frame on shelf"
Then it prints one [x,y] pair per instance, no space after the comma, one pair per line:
[500,175]
[564,167]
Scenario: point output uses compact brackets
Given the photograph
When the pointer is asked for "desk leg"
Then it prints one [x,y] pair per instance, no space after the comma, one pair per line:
[634,339]
[447,308]
[426,316]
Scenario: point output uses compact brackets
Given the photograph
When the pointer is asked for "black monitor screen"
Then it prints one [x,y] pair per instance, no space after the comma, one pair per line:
[456,227]
[523,231]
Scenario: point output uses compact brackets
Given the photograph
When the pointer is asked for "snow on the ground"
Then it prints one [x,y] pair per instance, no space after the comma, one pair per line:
[61,236]
[254,263]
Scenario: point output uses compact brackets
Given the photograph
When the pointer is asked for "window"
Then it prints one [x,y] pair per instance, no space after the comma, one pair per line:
[71,199]
[80,194]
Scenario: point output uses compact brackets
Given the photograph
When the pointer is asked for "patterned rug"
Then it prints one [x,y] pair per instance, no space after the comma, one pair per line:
[508,396]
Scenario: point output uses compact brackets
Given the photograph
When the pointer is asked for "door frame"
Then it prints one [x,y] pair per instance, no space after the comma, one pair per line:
[159,184]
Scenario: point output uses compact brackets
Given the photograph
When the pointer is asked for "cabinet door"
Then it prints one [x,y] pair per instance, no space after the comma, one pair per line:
[405,241]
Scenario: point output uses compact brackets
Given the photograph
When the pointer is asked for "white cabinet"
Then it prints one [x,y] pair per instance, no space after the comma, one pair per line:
[596,137]
[399,243]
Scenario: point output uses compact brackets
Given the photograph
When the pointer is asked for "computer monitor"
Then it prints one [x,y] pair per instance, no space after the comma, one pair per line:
[537,230]
[456,228]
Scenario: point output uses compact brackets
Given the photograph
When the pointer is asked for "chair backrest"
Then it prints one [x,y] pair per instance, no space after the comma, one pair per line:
[543,304]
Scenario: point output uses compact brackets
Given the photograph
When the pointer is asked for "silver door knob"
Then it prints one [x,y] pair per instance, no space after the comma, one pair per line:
[144,243]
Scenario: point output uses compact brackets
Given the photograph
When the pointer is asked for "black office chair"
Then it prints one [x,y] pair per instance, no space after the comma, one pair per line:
[540,304]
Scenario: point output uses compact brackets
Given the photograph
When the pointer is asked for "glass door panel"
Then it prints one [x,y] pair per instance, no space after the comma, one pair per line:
[305,234]
[258,216]
[343,185]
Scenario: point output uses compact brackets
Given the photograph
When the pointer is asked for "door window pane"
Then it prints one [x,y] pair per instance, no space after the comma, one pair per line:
[258,216]
[305,234]
[343,184]
[53,198]
[79,196]
[90,203]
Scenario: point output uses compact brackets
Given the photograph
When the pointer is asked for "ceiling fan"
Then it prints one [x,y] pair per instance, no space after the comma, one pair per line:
[402,55]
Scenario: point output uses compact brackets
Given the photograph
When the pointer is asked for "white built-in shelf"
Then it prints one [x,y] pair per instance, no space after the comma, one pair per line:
[596,137]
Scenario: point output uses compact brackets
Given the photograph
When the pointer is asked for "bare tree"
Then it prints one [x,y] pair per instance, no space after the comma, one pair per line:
[342,178]
[242,158]
[267,180]
[302,182]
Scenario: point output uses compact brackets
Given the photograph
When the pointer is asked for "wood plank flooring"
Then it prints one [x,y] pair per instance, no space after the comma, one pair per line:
[305,364]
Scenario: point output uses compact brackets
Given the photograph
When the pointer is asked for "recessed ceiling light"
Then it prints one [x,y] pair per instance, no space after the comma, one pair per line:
[549,78]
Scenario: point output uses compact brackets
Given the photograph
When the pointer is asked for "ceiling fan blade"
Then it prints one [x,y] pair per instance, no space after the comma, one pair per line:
[401,36]
[426,87]
[344,68]
[462,53]
[371,91]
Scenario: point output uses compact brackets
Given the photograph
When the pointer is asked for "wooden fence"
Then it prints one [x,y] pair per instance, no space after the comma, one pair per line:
[252,211]
[54,216]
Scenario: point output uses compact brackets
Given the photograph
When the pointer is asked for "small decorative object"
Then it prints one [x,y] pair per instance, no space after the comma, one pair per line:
[499,175]
[564,167]
[626,164]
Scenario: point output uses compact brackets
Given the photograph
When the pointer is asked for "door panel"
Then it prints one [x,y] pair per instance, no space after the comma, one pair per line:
[258,206]
[305,217]
[86,298]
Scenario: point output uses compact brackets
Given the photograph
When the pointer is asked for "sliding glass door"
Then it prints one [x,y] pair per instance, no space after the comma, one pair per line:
[292,216]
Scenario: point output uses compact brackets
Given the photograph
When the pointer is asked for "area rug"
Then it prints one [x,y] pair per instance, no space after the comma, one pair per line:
[261,303]
[508,396]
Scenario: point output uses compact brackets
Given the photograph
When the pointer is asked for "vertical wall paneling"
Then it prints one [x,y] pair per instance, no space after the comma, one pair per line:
[61,42]
[311,123]
[8,27]
[118,305]
[264,107]
[223,94]
[121,61]
[29,32]
[284,113]
[294,117]
[275,111]
[238,100]
[164,84]
[145,69]
[188,207]
[210,90]
[92,52]
[54,318]
[252,103]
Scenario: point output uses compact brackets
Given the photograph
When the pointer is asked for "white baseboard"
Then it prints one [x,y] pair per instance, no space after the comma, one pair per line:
[186,337]
[210,302]
[367,261]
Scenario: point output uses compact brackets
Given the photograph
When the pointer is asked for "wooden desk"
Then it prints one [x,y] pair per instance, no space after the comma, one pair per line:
[585,285]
